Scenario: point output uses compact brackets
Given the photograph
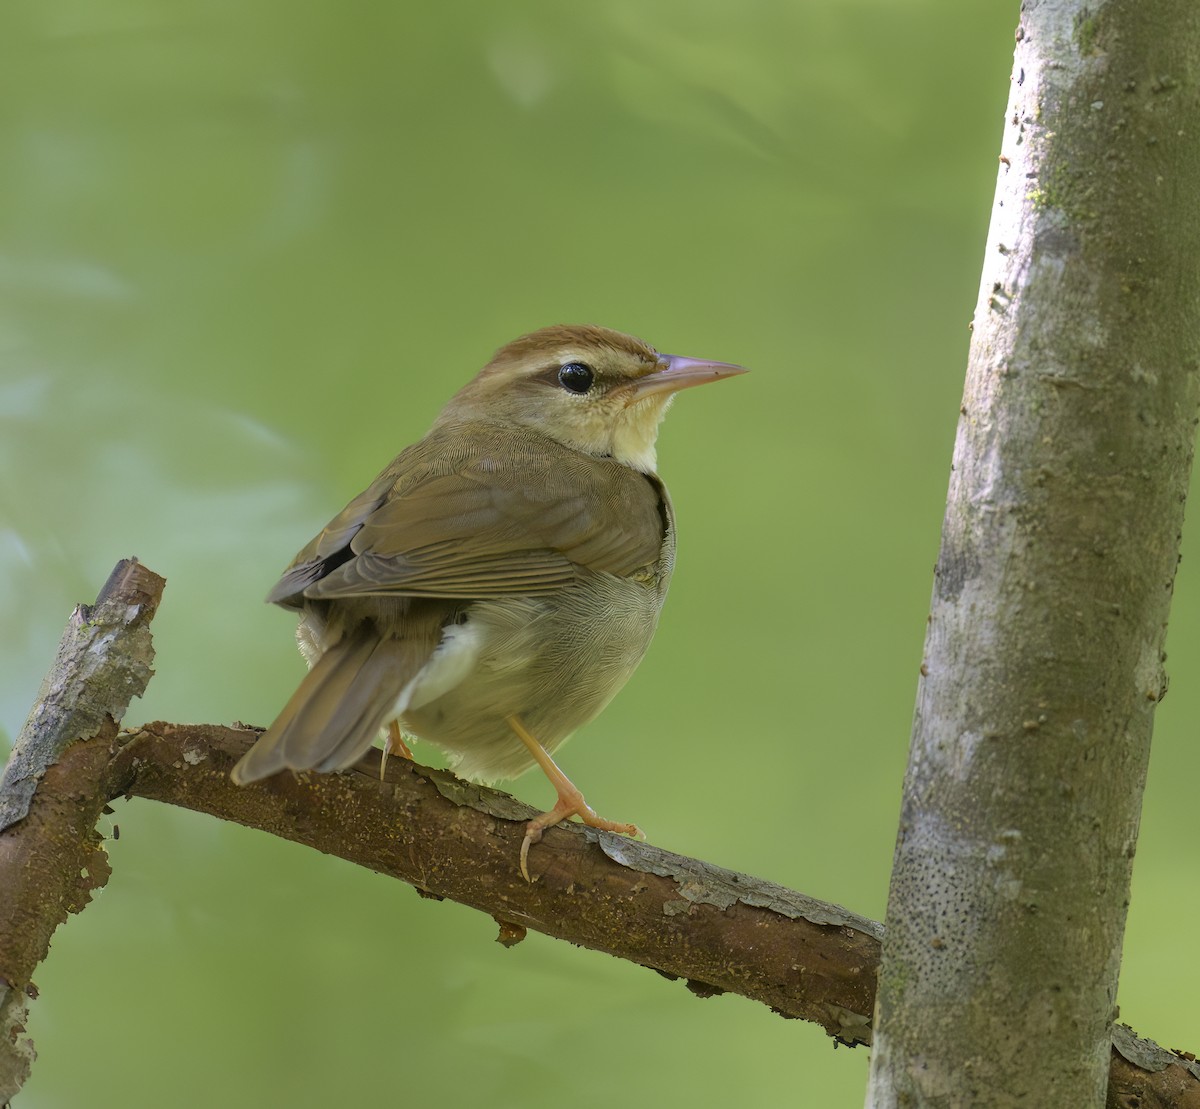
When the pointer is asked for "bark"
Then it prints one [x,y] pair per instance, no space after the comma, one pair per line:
[1044,654]
[718,930]
[51,856]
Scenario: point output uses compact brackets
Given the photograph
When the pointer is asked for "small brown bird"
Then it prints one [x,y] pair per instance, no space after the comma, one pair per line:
[499,582]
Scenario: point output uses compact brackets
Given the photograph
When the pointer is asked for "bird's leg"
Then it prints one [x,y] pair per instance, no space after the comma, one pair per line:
[570,800]
[395,745]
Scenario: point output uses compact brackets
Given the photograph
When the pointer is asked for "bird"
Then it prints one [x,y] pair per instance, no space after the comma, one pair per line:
[500,580]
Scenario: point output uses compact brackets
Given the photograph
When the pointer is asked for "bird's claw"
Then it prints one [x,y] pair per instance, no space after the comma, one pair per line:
[535,829]
[533,835]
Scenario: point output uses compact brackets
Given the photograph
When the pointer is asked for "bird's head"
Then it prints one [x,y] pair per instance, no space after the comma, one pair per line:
[590,388]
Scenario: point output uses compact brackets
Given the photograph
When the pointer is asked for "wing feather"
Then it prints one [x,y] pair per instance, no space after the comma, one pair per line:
[483,511]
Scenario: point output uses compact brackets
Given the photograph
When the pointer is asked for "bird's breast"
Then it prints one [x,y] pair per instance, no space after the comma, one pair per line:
[554,661]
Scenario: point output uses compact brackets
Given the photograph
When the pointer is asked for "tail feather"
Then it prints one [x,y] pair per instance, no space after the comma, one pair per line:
[334,716]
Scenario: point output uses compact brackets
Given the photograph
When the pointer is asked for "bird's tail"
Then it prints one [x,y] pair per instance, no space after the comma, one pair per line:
[335,714]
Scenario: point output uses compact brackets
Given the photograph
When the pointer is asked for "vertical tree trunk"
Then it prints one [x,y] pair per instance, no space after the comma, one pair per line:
[1043,661]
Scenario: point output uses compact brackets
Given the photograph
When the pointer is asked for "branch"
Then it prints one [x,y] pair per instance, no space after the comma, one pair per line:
[719,930]
[52,790]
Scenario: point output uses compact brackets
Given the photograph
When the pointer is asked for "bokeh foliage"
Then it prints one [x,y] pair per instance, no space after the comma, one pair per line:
[246,252]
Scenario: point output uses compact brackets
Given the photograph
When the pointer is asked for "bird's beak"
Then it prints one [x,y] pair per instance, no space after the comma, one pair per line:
[675,372]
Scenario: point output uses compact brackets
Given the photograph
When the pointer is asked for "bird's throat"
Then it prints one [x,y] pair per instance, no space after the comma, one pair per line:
[635,433]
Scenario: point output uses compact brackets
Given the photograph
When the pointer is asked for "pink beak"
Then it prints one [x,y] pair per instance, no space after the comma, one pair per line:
[676,372]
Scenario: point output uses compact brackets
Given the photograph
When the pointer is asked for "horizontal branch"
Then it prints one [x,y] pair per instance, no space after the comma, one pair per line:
[718,930]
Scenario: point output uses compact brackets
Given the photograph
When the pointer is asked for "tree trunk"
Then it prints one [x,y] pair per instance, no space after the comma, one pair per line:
[1043,659]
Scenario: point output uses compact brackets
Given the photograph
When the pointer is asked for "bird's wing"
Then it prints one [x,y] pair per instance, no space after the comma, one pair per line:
[491,513]
[331,545]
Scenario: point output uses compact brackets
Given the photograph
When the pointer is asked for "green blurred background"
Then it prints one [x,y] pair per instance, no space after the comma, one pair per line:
[248,249]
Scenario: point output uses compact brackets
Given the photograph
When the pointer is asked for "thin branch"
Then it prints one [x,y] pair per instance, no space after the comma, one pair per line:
[718,930]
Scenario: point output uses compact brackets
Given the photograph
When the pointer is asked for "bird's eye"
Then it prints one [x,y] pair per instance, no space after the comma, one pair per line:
[575,377]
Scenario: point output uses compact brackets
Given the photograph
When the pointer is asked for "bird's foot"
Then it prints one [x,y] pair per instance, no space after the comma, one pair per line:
[570,800]
[395,745]
[570,803]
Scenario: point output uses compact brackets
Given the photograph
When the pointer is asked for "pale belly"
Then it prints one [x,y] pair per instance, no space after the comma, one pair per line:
[554,662]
